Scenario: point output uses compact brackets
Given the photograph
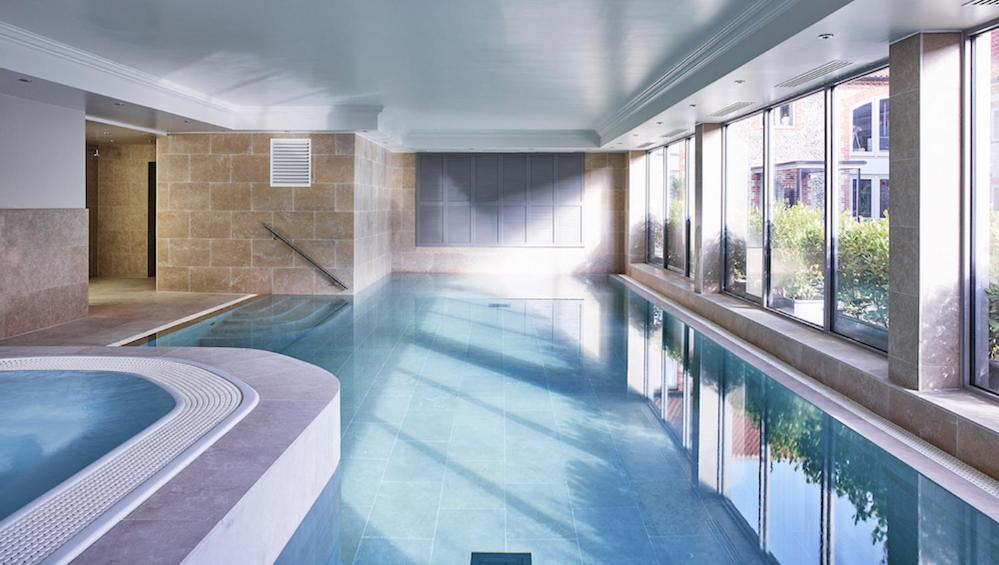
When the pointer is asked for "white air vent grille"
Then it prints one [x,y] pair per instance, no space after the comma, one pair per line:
[981,3]
[674,133]
[816,73]
[644,145]
[731,108]
[291,162]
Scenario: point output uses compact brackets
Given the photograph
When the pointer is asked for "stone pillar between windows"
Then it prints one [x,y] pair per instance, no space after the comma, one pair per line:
[706,250]
[924,345]
[637,195]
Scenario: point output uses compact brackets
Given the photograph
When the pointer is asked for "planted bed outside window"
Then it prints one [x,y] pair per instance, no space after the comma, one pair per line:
[744,207]
[798,203]
[861,150]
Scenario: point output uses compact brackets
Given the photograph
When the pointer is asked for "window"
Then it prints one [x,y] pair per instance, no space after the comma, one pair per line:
[883,135]
[985,211]
[861,198]
[861,128]
[784,115]
[869,126]
[676,206]
[656,222]
[670,176]
[806,204]
[744,207]
[798,211]
[861,212]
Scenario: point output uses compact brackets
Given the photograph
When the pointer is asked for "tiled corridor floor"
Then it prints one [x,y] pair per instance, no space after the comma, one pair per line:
[122,308]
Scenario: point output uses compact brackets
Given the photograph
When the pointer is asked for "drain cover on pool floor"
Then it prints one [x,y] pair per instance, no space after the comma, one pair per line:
[501,559]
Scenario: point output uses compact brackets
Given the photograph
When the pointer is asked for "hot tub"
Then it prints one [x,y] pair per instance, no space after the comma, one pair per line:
[84,440]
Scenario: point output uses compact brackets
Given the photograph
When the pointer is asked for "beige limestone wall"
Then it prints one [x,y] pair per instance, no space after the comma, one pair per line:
[372,213]
[213,194]
[603,250]
[43,268]
[123,209]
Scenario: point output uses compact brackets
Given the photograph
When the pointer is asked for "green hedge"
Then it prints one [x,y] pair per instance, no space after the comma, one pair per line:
[862,290]
[798,238]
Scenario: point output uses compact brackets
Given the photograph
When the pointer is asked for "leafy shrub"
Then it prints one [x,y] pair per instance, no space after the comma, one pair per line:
[862,284]
[798,243]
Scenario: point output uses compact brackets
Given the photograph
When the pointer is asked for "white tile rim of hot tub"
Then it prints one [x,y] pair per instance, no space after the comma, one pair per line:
[209,403]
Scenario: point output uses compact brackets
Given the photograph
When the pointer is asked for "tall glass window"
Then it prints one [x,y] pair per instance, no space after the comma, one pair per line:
[656,224]
[985,184]
[798,209]
[676,206]
[861,146]
[744,207]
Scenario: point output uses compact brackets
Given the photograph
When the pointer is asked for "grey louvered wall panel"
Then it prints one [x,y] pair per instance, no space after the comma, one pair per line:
[513,225]
[485,199]
[430,219]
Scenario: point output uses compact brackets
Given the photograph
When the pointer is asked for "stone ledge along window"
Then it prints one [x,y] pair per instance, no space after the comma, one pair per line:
[499,199]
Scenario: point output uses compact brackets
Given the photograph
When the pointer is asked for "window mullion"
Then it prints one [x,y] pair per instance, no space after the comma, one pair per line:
[767,174]
[831,207]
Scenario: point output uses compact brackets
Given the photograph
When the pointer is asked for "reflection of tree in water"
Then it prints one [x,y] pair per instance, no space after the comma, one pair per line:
[795,435]
[858,477]
[796,429]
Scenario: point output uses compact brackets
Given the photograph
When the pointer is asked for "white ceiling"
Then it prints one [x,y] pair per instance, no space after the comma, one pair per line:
[99,133]
[436,74]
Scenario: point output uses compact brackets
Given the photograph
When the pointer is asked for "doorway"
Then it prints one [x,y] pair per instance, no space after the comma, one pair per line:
[121,199]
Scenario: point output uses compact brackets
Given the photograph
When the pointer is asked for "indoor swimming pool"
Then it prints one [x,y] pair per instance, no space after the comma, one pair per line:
[576,421]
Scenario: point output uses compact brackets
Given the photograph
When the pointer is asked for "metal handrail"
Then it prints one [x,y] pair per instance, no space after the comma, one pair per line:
[305,256]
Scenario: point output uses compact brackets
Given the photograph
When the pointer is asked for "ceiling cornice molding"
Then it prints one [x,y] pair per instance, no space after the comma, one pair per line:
[346,117]
[22,38]
[500,140]
[51,60]
[754,18]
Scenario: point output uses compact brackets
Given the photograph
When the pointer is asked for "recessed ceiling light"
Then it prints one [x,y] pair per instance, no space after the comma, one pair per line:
[22,79]
[187,121]
[106,133]
[119,103]
[826,36]
[739,81]
[659,123]
[693,105]
[112,141]
[634,135]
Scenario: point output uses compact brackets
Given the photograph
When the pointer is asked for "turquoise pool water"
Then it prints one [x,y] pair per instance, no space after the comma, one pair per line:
[55,423]
[574,420]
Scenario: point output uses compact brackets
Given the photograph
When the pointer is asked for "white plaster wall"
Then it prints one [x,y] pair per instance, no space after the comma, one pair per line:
[42,158]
